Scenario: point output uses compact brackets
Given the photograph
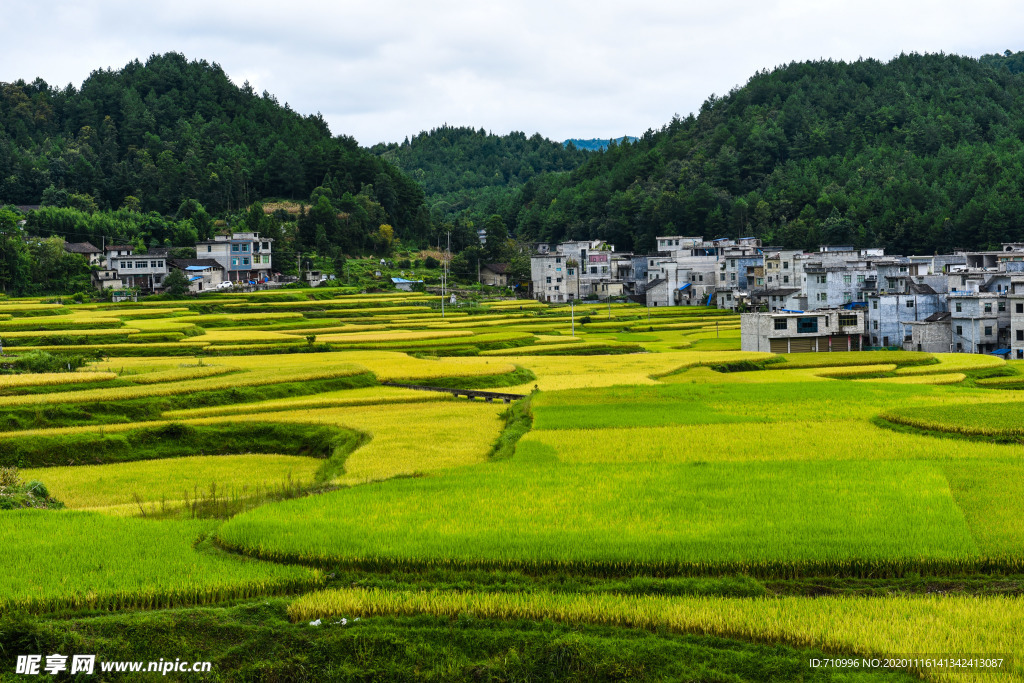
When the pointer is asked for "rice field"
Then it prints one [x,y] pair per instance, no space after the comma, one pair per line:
[125,485]
[680,456]
[82,560]
[956,627]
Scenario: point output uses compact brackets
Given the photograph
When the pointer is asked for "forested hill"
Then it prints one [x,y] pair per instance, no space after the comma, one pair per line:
[170,130]
[468,172]
[919,154]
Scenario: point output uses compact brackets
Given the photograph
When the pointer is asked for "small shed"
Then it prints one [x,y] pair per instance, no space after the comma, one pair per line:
[403,284]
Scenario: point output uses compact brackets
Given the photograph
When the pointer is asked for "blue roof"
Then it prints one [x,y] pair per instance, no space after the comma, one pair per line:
[854,304]
[685,286]
[193,279]
[786,310]
[400,280]
[1000,352]
[196,267]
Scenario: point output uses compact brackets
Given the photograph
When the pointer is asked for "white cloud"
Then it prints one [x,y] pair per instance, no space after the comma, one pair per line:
[380,71]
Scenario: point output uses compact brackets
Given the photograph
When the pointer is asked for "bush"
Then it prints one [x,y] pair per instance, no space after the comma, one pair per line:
[431,262]
[38,489]
[41,361]
[404,263]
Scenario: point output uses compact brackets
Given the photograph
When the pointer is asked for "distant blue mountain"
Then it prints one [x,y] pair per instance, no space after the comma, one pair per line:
[595,144]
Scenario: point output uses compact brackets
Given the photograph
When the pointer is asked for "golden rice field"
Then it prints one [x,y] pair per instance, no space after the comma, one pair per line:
[119,487]
[684,456]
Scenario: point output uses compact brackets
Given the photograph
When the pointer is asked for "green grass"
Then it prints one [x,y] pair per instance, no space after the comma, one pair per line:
[127,485]
[257,642]
[175,440]
[57,560]
[763,518]
[38,416]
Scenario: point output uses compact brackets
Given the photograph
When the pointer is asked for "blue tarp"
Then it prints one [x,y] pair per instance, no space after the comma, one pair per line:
[854,304]
[684,286]
[196,267]
[193,279]
[786,310]
[399,280]
[1000,352]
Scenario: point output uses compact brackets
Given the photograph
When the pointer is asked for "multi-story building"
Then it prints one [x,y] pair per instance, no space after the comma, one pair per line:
[245,256]
[145,271]
[979,321]
[821,330]
[888,317]
[555,277]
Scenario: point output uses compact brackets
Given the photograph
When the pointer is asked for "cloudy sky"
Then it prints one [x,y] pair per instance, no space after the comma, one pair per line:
[385,69]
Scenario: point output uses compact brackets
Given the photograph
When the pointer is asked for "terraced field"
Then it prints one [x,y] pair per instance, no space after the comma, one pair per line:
[238,447]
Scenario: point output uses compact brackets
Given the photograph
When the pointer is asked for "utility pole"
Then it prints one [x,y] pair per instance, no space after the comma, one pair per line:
[444,273]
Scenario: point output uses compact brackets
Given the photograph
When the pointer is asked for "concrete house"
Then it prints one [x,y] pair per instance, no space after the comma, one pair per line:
[145,271]
[245,256]
[980,321]
[820,330]
[887,316]
[494,274]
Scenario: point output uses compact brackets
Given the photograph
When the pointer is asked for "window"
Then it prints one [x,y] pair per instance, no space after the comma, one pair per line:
[723,277]
[960,330]
[1020,308]
[593,269]
[557,288]
[732,263]
[558,279]
[910,303]
[558,270]
[1020,335]
[988,331]
[847,279]
[266,246]
[785,279]
[733,277]
[783,324]
[234,262]
[847,320]
[988,308]
[140,264]
[245,261]
[874,324]
[860,279]
[571,271]
[549,280]
[604,269]
[822,296]
[234,247]
[1002,306]
[245,247]
[807,325]
[209,248]
[558,259]
[874,304]
[152,264]
[959,308]
[785,264]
